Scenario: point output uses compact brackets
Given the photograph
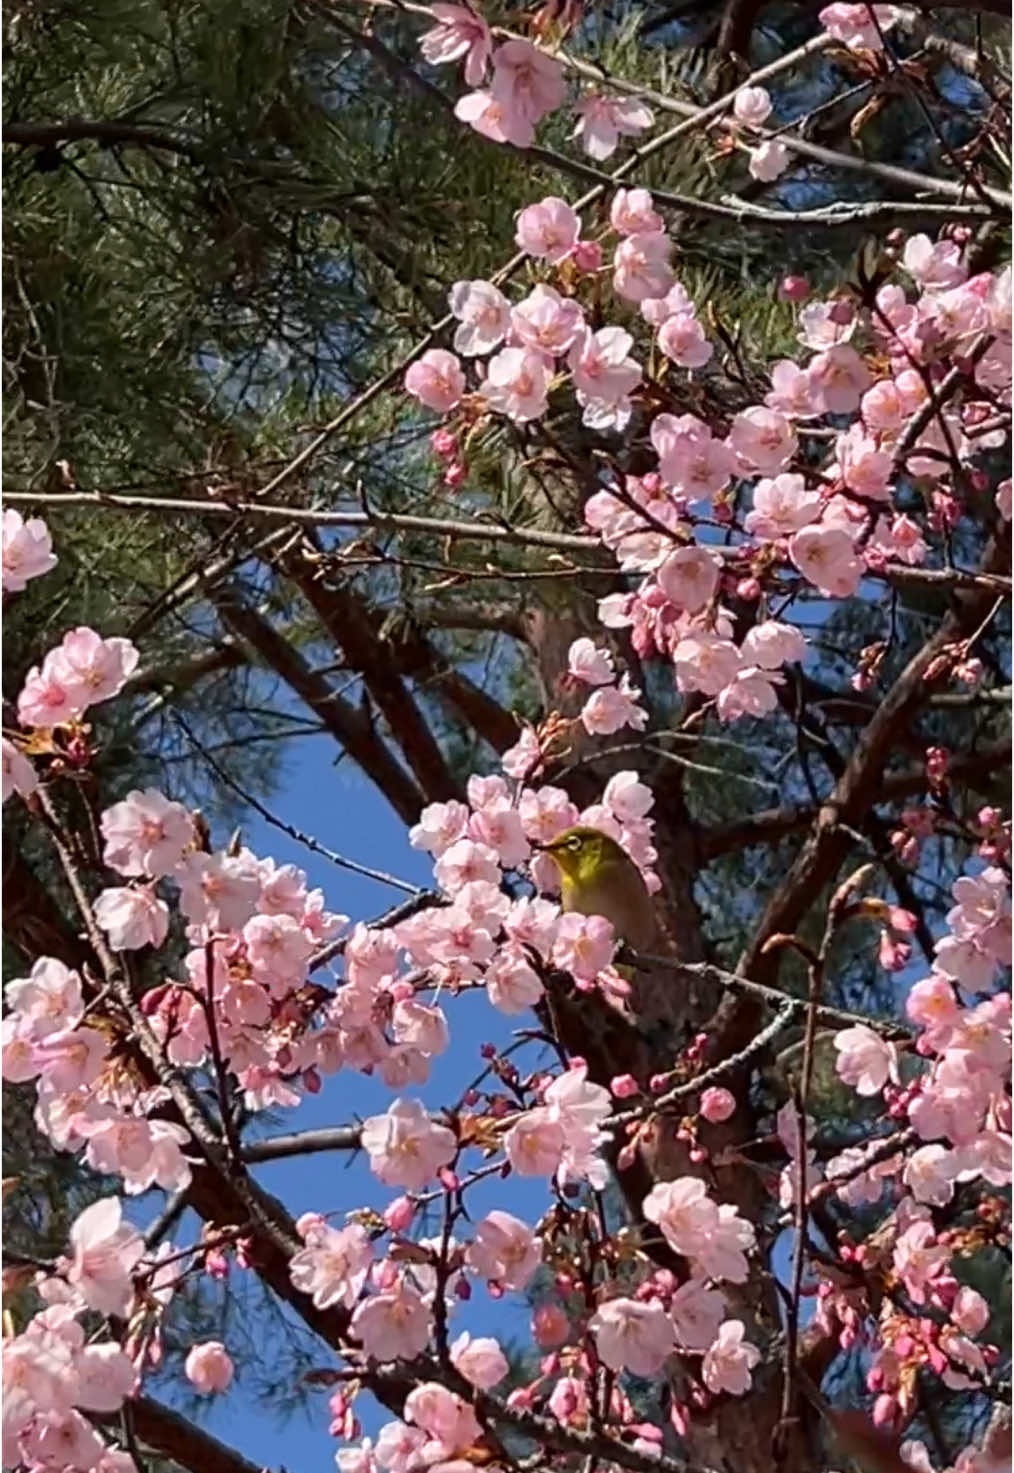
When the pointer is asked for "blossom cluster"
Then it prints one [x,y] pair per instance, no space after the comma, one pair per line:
[958,1103]
[55,1372]
[787,508]
[516,85]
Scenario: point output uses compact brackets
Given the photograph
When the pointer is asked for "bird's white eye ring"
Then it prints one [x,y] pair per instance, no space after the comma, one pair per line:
[574,842]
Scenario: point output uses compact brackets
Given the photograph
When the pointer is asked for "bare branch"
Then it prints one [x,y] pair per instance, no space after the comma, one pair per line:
[171,1435]
[349,726]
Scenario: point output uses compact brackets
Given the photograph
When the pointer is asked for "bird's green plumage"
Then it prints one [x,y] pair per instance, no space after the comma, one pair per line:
[598,877]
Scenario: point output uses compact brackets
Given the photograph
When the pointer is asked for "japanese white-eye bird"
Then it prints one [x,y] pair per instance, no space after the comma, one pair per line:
[599,878]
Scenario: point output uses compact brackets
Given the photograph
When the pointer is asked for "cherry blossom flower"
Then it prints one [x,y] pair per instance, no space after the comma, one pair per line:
[864,467]
[919,1259]
[762,441]
[935,265]
[588,663]
[983,913]
[394,1325]
[459,32]
[484,314]
[440,825]
[278,950]
[641,266]
[96,668]
[854,26]
[498,119]
[729,1361]
[826,558]
[722,1255]
[406,1148]
[546,322]
[690,459]
[611,708]
[526,81]
[681,338]
[105,1250]
[929,1174]
[865,1060]
[19,1060]
[360,1458]
[632,1335]
[580,1107]
[970,1311]
[465,861]
[584,945]
[516,384]
[839,378]
[447,1418]
[931,1003]
[71,1059]
[45,699]
[422,1025]
[219,891]
[81,671]
[792,391]
[548,230]
[769,160]
[603,121]
[684,1212]
[781,506]
[772,644]
[333,1266]
[697,1312]
[18,773]
[632,213]
[822,325]
[705,662]
[27,550]
[751,692]
[689,578]
[146,834]
[534,1143]
[48,1000]
[208,1367]
[104,1378]
[604,374]
[436,380]
[132,918]
[504,1250]
[627,798]
[752,106]
[480,1361]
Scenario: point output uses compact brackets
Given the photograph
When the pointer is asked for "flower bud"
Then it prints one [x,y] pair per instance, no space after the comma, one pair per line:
[398,1214]
[794,288]
[623,1086]
[209,1368]
[454,475]
[717,1105]
[587,256]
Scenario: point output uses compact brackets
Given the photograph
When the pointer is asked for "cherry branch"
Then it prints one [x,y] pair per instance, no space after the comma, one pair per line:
[696,117]
[771,824]
[456,529]
[171,1435]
